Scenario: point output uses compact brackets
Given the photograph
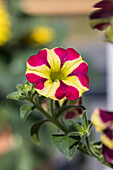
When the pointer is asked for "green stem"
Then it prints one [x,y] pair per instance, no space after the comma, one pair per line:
[89,148]
[52,112]
[84,149]
[54,120]
[46,114]
[59,125]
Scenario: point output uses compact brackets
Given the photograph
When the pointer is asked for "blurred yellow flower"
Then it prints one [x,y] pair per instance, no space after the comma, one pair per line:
[5,25]
[41,35]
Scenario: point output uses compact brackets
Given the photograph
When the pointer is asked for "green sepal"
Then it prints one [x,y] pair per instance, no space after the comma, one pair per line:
[75,133]
[96,146]
[15,96]
[66,144]
[90,125]
[76,125]
[101,158]
[20,88]
[25,111]
[35,130]
[84,120]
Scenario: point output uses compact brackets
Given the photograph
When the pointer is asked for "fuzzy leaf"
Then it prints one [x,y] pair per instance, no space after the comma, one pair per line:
[76,125]
[35,130]
[13,95]
[84,120]
[25,110]
[66,144]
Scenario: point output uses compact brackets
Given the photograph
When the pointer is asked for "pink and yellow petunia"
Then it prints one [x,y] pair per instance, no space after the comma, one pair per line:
[102,119]
[58,73]
[107,138]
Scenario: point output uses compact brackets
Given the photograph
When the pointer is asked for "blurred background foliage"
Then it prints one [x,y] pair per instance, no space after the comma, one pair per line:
[23,35]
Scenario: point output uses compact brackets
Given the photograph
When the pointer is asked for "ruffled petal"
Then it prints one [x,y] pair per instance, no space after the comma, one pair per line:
[84,79]
[40,84]
[42,71]
[72,54]
[70,92]
[33,78]
[102,119]
[66,55]
[61,53]
[49,89]
[108,154]
[74,81]
[107,139]
[70,66]
[39,59]
[53,60]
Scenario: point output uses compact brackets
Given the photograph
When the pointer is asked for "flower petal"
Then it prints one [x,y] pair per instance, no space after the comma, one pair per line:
[70,92]
[61,53]
[33,78]
[108,154]
[49,89]
[42,71]
[71,54]
[66,55]
[69,66]
[101,119]
[39,59]
[82,68]
[107,139]
[40,84]
[74,81]
[53,60]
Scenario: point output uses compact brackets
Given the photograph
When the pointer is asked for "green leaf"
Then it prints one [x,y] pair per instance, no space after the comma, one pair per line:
[85,121]
[13,95]
[20,88]
[75,134]
[25,110]
[76,125]
[66,144]
[35,130]
[90,126]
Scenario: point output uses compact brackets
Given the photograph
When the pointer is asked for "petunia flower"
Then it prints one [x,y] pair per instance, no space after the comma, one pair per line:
[107,138]
[108,154]
[58,73]
[102,119]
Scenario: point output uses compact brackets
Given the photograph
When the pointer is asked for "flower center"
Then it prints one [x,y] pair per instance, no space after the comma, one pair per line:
[56,76]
